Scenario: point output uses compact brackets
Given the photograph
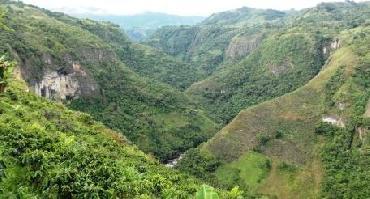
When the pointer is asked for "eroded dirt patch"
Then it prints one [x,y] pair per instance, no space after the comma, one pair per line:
[367,113]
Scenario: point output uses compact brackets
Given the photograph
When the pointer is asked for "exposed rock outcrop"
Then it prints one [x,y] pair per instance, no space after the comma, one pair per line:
[334,120]
[65,84]
[278,69]
[331,46]
[57,86]
[362,133]
[241,46]
[367,113]
[63,77]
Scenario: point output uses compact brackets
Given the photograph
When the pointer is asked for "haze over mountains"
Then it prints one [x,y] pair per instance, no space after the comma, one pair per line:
[251,103]
[141,26]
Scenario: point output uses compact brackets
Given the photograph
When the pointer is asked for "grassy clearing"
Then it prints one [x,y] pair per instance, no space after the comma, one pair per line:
[294,114]
[249,170]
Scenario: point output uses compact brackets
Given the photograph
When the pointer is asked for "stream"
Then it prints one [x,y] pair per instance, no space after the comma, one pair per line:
[173,162]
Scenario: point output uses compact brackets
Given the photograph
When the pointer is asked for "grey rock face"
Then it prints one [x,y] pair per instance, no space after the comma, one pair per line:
[242,46]
[65,84]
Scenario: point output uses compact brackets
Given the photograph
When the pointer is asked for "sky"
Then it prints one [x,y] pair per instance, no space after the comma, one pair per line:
[177,7]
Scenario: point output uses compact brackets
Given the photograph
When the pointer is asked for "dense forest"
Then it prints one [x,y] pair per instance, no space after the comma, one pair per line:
[248,103]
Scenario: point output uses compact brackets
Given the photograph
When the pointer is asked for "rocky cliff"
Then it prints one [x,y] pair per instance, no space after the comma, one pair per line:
[241,46]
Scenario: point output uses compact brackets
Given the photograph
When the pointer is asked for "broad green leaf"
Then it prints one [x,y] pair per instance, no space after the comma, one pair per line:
[206,192]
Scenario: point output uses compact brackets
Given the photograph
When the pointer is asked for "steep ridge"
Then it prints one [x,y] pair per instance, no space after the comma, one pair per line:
[72,60]
[282,63]
[299,156]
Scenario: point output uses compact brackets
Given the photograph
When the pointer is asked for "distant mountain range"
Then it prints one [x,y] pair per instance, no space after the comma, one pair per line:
[140,26]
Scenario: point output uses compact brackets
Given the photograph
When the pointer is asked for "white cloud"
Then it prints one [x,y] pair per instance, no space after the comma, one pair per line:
[178,7]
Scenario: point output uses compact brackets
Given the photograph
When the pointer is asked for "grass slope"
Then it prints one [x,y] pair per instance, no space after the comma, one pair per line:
[295,116]
[248,171]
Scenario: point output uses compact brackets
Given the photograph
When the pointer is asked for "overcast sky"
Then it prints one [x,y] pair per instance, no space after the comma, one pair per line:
[178,7]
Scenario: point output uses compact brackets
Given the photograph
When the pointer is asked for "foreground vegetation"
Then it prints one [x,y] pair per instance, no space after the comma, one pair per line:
[47,150]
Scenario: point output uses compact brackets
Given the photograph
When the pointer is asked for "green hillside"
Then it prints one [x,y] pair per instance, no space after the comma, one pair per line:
[312,142]
[49,151]
[120,84]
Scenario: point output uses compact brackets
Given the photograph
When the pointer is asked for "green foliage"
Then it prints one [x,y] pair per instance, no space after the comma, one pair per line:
[2,15]
[262,138]
[3,18]
[206,192]
[335,82]
[344,155]
[47,150]
[247,172]
[199,164]
[5,68]
[347,169]
[285,167]
[324,128]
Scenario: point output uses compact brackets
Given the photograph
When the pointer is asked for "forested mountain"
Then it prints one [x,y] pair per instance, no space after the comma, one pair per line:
[291,90]
[259,54]
[208,44]
[95,68]
[312,142]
